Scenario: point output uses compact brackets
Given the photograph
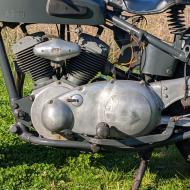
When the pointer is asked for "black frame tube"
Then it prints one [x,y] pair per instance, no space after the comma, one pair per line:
[30,138]
[6,70]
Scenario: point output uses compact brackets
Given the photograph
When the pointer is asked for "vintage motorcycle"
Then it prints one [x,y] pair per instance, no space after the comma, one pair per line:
[71,105]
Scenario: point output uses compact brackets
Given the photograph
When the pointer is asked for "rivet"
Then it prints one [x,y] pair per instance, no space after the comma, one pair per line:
[165,96]
[165,88]
[168,71]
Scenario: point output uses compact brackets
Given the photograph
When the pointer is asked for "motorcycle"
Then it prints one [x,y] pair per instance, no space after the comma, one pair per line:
[72,105]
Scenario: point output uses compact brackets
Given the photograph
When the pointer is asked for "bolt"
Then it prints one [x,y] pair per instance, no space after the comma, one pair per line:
[112,81]
[95,148]
[14,129]
[76,100]
[81,88]
[19,113]
[16,112]
[168,71]
[103,130]
[32,98]
[14,105]
[50,102]
[165,96]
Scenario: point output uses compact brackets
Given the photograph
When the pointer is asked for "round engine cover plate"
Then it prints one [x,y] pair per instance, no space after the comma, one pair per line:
[57,116]
[129,113]
[39,116]
[133,109]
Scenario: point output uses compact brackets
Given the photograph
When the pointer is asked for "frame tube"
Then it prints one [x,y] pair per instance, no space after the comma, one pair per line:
[7,73]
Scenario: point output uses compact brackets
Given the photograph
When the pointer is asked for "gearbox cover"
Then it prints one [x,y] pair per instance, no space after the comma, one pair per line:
[128,107]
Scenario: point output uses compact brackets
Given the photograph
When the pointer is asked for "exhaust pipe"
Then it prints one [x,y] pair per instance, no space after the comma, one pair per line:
[30,138]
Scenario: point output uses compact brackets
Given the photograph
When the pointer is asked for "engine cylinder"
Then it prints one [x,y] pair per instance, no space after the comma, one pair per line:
[93,58]
[27,62]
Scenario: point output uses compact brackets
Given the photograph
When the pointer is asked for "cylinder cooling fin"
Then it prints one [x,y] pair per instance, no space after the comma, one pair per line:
[85,67]
[93,58]
[27,62]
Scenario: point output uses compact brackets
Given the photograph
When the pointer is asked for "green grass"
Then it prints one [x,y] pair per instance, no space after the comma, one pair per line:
[24,166]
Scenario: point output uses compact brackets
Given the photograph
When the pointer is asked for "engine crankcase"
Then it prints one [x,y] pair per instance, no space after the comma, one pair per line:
[129,108]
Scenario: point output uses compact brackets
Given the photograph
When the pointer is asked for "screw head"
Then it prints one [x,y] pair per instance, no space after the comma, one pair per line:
[32,98]
[77,100]
[14,129]
[15,105]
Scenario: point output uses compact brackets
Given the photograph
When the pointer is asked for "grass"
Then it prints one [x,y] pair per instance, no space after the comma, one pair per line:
[28,167]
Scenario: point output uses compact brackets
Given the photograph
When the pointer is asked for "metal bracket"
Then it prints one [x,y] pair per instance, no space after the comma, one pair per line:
[138,141]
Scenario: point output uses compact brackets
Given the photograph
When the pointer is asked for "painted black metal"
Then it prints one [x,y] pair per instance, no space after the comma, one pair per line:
[68,9]
[158,63]
[174,139]
[150,7]
[138,141]
[30,138]
[24,105]
[183,147]
[7,73]
[145,159]
[145,36]
[28,11]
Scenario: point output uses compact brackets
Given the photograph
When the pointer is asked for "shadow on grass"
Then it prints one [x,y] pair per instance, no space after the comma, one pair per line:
[165,163]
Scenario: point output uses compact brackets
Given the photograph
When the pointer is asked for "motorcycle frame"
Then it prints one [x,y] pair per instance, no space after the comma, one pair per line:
[18,104]
[15,99]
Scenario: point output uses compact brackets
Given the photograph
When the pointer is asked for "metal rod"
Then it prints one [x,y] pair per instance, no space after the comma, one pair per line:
[62,31]
[141,34]
[145,159]
[19,80]
[7,73]
[140,174]
[30,138]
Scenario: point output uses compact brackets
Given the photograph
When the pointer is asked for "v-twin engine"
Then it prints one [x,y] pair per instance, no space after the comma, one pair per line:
[69,105]
[103,109]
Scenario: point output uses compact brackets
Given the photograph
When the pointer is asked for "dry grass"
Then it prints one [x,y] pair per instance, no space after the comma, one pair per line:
[157,25]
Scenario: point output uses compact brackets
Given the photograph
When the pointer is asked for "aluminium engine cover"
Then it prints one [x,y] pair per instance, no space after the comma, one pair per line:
[45,110]
[129,107]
